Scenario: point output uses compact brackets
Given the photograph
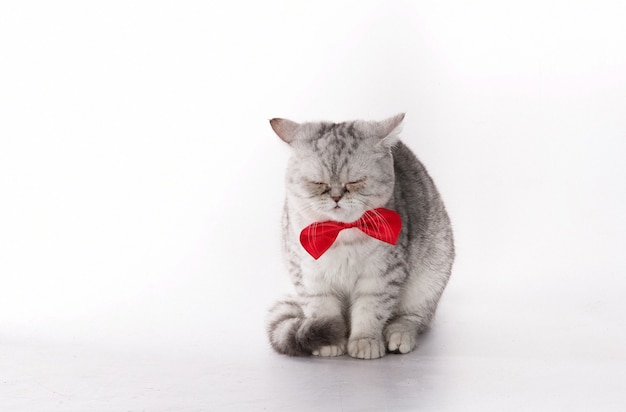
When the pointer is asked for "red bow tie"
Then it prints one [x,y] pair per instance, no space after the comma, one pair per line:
[382,224]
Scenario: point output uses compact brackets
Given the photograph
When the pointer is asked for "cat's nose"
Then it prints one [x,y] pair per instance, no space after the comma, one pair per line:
[336,198]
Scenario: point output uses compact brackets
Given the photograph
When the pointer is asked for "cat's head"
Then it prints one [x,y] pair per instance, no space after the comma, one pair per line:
[337,171]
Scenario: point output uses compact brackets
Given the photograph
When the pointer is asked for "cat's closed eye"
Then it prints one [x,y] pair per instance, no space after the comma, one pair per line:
[355,185]
[319,186]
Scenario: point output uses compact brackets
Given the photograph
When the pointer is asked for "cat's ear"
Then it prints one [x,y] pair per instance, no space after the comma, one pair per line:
[285,129]
[389,129]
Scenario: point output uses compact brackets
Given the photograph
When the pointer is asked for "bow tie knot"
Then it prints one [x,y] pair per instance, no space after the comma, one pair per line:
[382,224]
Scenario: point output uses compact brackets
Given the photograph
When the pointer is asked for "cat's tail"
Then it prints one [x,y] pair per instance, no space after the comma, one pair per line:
[285,319]
[291,333]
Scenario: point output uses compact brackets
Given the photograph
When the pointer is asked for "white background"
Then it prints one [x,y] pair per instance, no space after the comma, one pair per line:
[141,191]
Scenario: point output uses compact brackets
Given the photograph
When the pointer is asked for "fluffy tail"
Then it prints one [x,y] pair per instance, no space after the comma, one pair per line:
[285,319]
[290,333]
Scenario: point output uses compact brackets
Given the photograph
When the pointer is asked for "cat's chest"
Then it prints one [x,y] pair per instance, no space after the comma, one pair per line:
[352,256]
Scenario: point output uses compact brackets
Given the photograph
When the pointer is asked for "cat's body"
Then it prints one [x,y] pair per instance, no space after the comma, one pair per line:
[363,296]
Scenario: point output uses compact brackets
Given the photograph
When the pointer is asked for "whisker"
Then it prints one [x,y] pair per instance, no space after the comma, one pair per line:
[382,223]
[386,226]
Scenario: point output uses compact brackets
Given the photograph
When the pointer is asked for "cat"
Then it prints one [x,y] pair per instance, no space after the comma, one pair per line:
[362,296]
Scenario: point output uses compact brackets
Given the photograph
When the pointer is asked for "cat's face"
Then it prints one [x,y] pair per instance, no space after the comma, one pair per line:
[339,177]
[338,171]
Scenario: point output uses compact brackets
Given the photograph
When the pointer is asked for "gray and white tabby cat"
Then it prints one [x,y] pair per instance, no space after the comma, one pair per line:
[363,296]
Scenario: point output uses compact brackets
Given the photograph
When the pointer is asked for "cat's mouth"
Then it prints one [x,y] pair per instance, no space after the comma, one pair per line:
[343,214]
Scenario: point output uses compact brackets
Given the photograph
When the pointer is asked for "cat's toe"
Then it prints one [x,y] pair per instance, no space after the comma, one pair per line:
[366,348]
[401,342]
[330,350]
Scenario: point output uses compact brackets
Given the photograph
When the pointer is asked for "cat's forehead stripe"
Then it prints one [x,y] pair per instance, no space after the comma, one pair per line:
[332,146]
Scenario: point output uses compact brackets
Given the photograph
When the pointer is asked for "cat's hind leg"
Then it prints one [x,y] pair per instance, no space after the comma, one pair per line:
[416,308]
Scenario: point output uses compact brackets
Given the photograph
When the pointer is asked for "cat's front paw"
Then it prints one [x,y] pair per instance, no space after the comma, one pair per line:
[366,348]
[331,350]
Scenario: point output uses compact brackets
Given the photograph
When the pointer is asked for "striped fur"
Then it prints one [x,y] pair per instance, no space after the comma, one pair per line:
[363,296]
